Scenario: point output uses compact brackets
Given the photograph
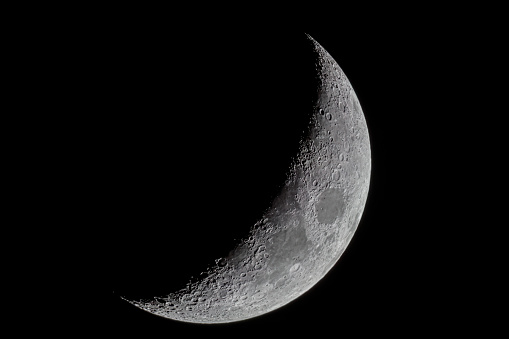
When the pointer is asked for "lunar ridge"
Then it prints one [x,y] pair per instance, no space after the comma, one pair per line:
[308,225]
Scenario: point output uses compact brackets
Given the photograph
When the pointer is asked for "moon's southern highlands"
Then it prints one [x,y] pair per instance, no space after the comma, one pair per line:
[308,225]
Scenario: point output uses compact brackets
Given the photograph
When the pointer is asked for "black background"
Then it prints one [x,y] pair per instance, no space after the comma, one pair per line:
[180,184]
[149,140]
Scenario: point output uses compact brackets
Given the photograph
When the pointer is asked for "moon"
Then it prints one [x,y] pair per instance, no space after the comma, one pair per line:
[306,229]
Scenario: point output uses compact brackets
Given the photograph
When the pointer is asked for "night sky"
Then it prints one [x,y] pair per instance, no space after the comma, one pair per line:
[398,273]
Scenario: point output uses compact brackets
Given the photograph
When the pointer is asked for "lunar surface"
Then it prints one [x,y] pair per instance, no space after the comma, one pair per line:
[307,227]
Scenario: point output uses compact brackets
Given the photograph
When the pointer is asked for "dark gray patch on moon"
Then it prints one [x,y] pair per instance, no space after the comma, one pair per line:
[330,205]
[286,245]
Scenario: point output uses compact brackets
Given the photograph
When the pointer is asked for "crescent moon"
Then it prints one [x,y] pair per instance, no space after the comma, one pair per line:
[308,226]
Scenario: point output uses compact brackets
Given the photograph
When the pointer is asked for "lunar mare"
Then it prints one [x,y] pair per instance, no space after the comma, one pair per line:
[306,229]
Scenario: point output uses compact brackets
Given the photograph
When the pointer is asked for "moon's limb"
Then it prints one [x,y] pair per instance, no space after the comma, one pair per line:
[307,228]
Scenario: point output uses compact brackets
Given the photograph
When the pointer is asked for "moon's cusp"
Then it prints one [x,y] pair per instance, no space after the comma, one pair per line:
[329,206]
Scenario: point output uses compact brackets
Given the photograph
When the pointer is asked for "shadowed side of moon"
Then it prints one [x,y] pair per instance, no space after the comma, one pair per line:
[190,161]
